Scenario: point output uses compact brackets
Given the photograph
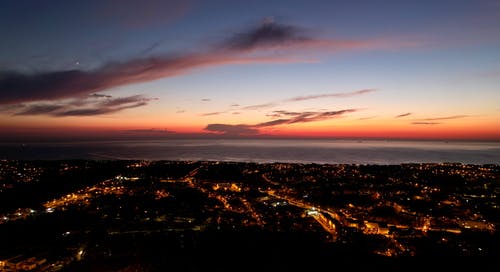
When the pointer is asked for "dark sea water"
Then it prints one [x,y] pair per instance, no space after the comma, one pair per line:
[261,151]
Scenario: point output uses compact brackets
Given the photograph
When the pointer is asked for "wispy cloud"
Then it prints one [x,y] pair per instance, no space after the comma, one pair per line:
[294,117]
[319,116]
[329,95]
[308,97]
[40,109]
[444,118]
[206,99]
[431,120]
[280,113]
[212,113]
[89,106]
[403,115]
[260,106]
[308,115]
[425,123]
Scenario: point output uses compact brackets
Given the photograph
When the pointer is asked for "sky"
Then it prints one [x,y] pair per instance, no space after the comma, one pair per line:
[284,69]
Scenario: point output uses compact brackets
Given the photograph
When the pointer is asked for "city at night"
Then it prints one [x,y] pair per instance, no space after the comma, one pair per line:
[220,216]
[249,135]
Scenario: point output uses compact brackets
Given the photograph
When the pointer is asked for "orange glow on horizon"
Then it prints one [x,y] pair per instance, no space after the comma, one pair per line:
[338,128]
[470,130]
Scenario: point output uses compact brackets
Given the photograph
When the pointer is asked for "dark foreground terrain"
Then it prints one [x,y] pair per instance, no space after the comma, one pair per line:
[222,216]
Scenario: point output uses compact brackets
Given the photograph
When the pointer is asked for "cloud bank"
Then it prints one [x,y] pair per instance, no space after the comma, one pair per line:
[293,99]
[89,106]
[292,118]
[257,44]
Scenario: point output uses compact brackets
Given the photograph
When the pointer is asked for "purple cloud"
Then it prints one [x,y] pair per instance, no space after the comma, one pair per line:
[17,87]
[85,107]
[40,109]
[240,48]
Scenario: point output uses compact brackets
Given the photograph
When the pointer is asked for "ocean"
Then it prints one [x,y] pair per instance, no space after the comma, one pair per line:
[263,151]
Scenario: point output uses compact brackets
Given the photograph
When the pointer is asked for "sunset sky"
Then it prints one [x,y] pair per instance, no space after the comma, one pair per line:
[362,69]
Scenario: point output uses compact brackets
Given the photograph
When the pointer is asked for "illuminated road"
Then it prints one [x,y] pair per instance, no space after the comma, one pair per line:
[315,212]
[264,177]
[190,176]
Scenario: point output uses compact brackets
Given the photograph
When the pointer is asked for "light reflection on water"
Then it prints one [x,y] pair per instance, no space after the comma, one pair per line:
[259,150]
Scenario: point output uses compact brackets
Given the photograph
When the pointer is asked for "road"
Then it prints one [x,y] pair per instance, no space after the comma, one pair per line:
[328,225]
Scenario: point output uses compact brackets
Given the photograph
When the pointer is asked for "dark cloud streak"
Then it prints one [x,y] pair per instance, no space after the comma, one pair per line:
[100,95]
[98,111]
[268,34]
[403,115]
